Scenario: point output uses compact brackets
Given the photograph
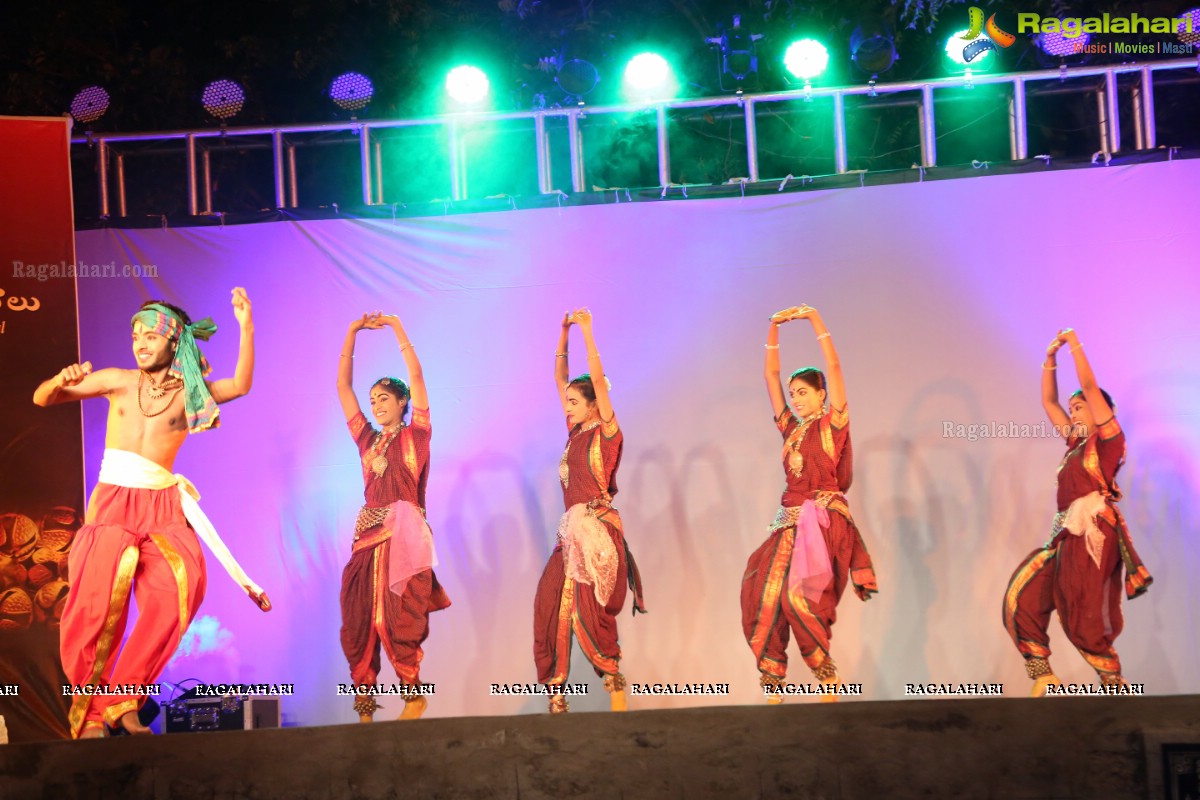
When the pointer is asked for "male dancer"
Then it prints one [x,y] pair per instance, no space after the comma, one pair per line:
[142,522]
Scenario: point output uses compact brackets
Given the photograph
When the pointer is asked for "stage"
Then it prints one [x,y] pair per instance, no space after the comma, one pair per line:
[1093,748]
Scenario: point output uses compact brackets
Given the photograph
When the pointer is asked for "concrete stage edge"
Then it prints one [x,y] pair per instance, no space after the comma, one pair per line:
[1094,748]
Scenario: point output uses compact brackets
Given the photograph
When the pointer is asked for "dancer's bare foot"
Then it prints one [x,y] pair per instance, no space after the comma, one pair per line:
[772,688]
[92,730]
[830,693]
[615,686]
[132,725]
[1042,684]
[413,709]
[559,704]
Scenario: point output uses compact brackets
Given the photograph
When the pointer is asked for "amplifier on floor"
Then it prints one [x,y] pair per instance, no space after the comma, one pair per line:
[229,712]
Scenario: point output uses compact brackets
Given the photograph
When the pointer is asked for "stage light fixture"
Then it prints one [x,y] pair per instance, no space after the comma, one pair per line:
[89,105]
[577,78]
[983,56]
[351,91]
[467,85]
[1181,30]
[223,99]
[738,59]
[806,59]
[872,48]
[647,72]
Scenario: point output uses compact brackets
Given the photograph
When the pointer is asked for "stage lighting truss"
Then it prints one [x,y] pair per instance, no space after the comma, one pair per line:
[351,91]
[738,57]
[223,99]
[806,60]
[89,105]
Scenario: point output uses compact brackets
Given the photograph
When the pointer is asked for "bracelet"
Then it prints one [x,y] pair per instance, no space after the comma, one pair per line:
[405,346]
[771,346]
[343,355]
[824,335]
[560,355]
[593,355]
[1049,368]
[1076,348]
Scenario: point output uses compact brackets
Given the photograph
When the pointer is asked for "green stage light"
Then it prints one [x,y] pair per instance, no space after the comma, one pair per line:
[467,85]
[647,72]
[806,59]
[957,48]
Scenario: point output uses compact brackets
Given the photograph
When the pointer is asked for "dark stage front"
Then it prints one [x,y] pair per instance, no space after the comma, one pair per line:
[1085,748]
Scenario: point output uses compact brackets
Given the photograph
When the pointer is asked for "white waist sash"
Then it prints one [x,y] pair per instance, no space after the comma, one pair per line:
[132,471]
[1080,520]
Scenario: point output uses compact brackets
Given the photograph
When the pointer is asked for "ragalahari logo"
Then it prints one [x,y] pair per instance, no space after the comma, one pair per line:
[996,36]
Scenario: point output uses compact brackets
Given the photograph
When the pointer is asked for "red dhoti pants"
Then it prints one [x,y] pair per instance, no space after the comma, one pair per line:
[372,614]
[1063,577]
[563,606]
[771,614]
[136,539]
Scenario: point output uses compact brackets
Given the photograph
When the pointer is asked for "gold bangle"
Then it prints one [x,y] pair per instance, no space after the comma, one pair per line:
[560,355]
[824,335]
[1076,348]
[405,346]
[1049,368]
[771,346]
[343,355]
[593,355]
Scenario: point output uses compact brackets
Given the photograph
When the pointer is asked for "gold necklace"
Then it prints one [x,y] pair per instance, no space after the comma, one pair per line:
[564,471]
[161,392]
[795,457]
[379,463]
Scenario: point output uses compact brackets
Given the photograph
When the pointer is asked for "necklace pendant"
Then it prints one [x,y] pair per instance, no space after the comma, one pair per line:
[379,465]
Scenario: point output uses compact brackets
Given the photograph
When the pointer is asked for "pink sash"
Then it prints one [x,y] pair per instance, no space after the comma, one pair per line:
[810,569]
[412,544]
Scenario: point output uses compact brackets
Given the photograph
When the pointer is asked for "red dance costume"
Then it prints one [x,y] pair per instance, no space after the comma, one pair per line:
[1078,572]
[564,605]
[135,539]
[371,612]
[813,526]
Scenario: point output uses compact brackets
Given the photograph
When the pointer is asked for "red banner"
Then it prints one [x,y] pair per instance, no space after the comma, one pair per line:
[41,449]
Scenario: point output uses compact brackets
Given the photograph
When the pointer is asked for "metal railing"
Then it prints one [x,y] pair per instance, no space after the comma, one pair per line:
[370,148]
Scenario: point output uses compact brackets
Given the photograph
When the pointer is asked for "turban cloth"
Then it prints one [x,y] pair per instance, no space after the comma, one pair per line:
[189,366]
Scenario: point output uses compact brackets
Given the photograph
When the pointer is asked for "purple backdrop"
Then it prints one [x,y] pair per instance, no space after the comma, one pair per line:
[941,296]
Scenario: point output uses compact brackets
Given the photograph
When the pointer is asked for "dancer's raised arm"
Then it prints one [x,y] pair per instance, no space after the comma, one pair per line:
[416,376]
[562,371]
[1054,410]
[583,318]
[227,389]
[833,366]
[345,374]
[1101,411]
[772,370]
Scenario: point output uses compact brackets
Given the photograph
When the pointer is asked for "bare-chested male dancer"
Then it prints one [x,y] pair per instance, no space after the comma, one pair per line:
[143,526]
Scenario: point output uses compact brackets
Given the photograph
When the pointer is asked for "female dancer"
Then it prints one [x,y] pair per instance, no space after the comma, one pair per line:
[1078,572]
[582,588]
[814,546]
[388,588]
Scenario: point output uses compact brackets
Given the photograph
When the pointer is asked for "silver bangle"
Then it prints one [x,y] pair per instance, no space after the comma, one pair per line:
[824,335]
